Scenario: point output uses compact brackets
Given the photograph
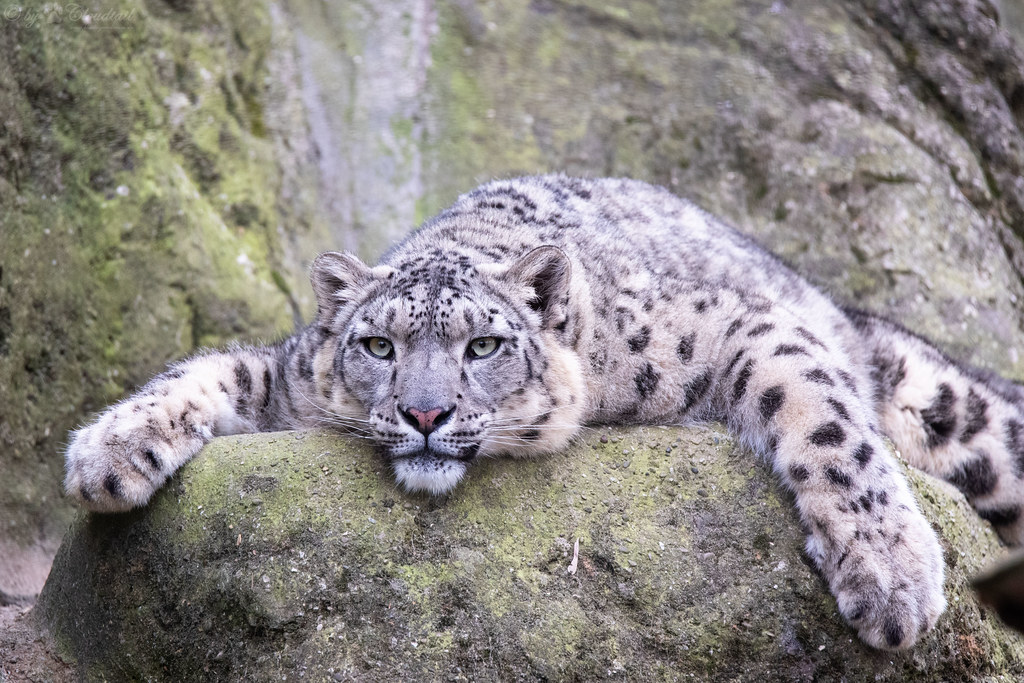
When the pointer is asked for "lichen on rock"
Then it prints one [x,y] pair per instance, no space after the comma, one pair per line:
[280,554]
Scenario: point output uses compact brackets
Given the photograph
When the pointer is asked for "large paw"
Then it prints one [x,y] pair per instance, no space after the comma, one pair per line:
[118,462]
[888,580]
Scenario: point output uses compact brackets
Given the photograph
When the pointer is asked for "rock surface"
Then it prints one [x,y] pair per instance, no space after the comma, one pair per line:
[292,555]
[147,163]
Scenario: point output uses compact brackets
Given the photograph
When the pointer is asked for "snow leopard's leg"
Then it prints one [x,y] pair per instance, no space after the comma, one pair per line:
[955,422]
[119,460]
[790,391]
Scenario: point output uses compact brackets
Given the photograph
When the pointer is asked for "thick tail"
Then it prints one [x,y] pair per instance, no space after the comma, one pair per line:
[953,421]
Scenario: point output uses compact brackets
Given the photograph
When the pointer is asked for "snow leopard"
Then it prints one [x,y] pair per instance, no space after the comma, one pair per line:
[535,306]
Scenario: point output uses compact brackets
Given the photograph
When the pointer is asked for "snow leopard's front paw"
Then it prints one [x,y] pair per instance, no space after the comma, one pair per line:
[888,579]
[117,463]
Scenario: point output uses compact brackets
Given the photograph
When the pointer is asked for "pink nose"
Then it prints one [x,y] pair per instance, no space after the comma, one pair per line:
[427,421]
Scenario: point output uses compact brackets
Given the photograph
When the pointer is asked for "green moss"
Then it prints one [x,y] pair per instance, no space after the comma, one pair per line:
[141,219]
[553,644]
[485,129]
[299,542]
[402,128]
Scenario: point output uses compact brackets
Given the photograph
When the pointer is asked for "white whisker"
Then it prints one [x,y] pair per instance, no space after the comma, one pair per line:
[528,427]
[352,426]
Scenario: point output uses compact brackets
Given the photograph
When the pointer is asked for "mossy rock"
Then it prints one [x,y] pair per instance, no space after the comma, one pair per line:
[144,169]
[293,555]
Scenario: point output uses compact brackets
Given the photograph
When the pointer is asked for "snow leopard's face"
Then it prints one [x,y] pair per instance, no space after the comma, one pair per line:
[442,361]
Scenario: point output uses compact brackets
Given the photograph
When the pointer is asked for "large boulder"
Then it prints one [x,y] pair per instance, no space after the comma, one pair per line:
[293,555]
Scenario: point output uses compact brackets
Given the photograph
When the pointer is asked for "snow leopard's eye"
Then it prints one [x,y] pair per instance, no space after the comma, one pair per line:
[380,347]
[482,347]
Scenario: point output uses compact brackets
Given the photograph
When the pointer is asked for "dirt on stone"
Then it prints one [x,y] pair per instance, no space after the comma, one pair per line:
[27,652]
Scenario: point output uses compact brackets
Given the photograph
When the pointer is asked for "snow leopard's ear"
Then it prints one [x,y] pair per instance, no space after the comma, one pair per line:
[340,278]
[546,272]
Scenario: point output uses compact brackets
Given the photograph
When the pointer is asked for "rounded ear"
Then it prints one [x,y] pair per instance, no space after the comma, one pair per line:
[547,271]
[339,278]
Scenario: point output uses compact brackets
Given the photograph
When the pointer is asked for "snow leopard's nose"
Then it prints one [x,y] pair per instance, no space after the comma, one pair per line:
[426,421]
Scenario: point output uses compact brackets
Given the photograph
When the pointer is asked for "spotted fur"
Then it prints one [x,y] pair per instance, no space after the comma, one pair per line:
[534,306]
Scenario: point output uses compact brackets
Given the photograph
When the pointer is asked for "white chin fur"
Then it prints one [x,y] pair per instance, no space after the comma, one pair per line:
[429,473]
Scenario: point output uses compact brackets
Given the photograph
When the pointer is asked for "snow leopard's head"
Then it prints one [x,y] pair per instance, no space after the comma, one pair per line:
[441,360]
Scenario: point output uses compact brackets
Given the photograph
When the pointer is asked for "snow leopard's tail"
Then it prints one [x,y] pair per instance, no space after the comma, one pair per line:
[956,422]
